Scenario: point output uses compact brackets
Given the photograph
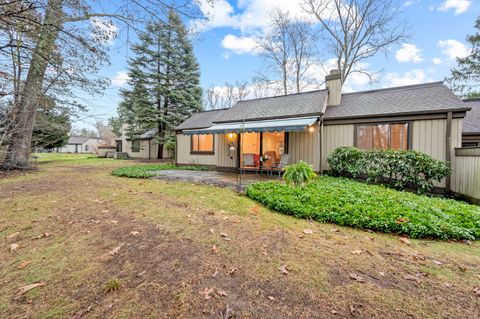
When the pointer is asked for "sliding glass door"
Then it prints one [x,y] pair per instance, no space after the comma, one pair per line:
[261,150]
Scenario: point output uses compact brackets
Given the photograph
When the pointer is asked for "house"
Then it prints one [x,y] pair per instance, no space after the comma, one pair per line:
[471,124]
[143,147]
[81,144]
[309,126]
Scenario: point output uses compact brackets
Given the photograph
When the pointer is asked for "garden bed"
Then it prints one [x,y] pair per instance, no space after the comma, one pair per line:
[374,207]
[147,171]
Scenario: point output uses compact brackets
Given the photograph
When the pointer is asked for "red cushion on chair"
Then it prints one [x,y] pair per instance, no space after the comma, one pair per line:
[256,160]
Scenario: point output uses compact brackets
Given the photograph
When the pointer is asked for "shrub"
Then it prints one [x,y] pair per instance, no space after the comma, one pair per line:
[400,169]
[375,207]
[299,174]
[144,171]
[113,284]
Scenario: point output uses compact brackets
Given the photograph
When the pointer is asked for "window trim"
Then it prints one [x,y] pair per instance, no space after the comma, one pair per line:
[409,130]
[139,146]
[212,152]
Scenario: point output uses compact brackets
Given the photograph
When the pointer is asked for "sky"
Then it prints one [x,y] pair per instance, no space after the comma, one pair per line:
[225,48]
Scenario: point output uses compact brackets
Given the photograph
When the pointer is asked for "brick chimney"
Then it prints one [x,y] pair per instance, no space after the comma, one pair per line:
[333,83]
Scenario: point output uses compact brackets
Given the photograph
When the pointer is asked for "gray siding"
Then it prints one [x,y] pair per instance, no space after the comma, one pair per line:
[184,156]
[335,136]
[305,146]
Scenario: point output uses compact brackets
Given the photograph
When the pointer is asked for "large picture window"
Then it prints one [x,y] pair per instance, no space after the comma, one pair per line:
[135,146]
[382,136]
[202,143]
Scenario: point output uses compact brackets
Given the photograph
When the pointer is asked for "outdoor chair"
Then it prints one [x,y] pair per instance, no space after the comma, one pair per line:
[249,163]
[278,167]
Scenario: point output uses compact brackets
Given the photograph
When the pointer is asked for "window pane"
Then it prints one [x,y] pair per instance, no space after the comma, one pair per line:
[194,143]
[135,146]
[381,136]
[399,136]
[205,143]
[273,147]
[365,137]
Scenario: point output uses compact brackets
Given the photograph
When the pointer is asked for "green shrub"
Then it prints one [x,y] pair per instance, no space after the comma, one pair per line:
[113,284]
[299,174]
[401,169]
[350,203]
[144,171]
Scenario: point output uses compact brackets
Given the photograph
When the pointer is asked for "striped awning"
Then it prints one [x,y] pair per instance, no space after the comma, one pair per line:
[297,124]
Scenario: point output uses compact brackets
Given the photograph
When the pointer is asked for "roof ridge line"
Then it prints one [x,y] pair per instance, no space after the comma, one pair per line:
[283,95]
[401,87]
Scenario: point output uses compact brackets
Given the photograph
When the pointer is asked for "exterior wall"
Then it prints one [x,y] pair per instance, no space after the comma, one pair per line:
[467,177]
[335,136]
[147,151]
[184,156]
[92,144]
[69,148]
[305,146]
[222,152]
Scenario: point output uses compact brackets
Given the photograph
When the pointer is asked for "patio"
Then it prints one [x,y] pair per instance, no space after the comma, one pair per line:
[215,178]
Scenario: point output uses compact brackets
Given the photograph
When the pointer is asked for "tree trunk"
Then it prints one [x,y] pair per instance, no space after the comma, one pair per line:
[24,112]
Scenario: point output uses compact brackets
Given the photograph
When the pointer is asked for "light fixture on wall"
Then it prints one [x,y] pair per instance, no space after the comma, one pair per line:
[311,128]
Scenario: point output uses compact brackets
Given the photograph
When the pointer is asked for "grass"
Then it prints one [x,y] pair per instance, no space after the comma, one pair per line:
[349,203]
[113,284]
[144,171]
[166,264]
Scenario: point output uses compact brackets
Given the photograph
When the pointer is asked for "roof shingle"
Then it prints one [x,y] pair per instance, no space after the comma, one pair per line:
[200,120]
[471,122]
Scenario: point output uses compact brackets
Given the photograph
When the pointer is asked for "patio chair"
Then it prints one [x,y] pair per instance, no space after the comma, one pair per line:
[248,163]
[278,167]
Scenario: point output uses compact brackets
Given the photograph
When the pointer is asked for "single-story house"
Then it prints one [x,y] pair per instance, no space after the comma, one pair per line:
[81,144]
[471,124]
[309,126]
[143,147]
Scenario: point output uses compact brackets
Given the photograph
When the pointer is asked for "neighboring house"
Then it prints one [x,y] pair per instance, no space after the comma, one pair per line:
[143,147]
[81,144]
[309,126]
[471,124]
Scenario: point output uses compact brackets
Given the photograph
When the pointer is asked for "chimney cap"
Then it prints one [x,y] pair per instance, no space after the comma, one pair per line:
[334,71]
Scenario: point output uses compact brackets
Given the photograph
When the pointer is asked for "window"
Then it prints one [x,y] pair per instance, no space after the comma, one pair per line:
[135,146]
[382,136]
[86,148]
[469,144]
[201,143]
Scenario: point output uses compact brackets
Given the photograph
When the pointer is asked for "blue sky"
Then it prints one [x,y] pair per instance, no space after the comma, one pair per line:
[225,47]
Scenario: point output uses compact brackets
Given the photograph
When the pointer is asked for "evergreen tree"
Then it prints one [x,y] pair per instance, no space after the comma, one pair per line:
[465,79]
[52,125]
[164,81]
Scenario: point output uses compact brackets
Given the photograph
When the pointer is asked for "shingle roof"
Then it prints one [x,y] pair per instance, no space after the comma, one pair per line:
[420,98]
[77,139]
[471,122]
[148,134]
[299,104]
[200,120]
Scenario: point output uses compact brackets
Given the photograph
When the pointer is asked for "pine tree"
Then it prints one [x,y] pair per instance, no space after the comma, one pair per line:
[465,79]
[164,79]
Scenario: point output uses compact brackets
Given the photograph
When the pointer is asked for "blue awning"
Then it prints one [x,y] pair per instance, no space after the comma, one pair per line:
[297,124]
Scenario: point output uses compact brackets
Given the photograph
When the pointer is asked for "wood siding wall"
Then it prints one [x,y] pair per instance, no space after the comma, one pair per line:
[335,136]
[467,177]
[305,146]
[184,156]
[222,152]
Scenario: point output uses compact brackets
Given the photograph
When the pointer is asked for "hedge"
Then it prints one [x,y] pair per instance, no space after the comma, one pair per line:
[375,207]
[401,169]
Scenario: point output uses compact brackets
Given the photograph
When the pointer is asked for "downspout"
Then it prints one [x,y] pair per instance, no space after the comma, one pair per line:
[149,149]
[448,152]
[176,148]
[320,142]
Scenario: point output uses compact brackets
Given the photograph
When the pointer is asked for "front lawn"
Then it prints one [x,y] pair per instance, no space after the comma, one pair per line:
[144,171]
[375,207]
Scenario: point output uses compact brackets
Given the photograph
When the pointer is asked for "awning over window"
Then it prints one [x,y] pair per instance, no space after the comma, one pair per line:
[287,125]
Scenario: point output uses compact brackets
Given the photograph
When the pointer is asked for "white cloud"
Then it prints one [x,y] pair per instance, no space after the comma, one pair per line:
[415,76]
[408,53]
[408,3]
[240,45]
[437,61]
[120,78]
[460,6]
[453,48]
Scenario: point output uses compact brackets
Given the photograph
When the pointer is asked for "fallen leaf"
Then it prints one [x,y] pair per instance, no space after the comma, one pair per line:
[207,293]
[115,250]
[141,273]
[81,313]
[13,235]
[412,278]
[401,220]
[405,240]
[215,273]
[271,297]
[308,231]
[24,264]
[222,293]
[284,269]
[114,221]
[232,271]
[23,290]
[44,235]
[255,209]
[13,247]
[356,252]
[335,230]
[224,236]
[134,233]
[382,274]
[105,211]
[334,312]
[477,291]
[211,230]
[356,277]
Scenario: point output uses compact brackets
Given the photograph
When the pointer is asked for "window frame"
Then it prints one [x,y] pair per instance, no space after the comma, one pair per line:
[139,146]
[212,152]
[409,131]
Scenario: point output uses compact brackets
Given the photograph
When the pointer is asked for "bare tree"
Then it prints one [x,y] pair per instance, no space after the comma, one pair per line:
[356,30]
[289,50]
[213,98]
[105,133]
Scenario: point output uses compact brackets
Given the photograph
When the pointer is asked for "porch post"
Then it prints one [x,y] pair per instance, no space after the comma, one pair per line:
[448,151]
[320,142]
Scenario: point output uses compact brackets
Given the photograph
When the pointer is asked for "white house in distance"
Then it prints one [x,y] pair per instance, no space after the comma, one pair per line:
[81,144]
